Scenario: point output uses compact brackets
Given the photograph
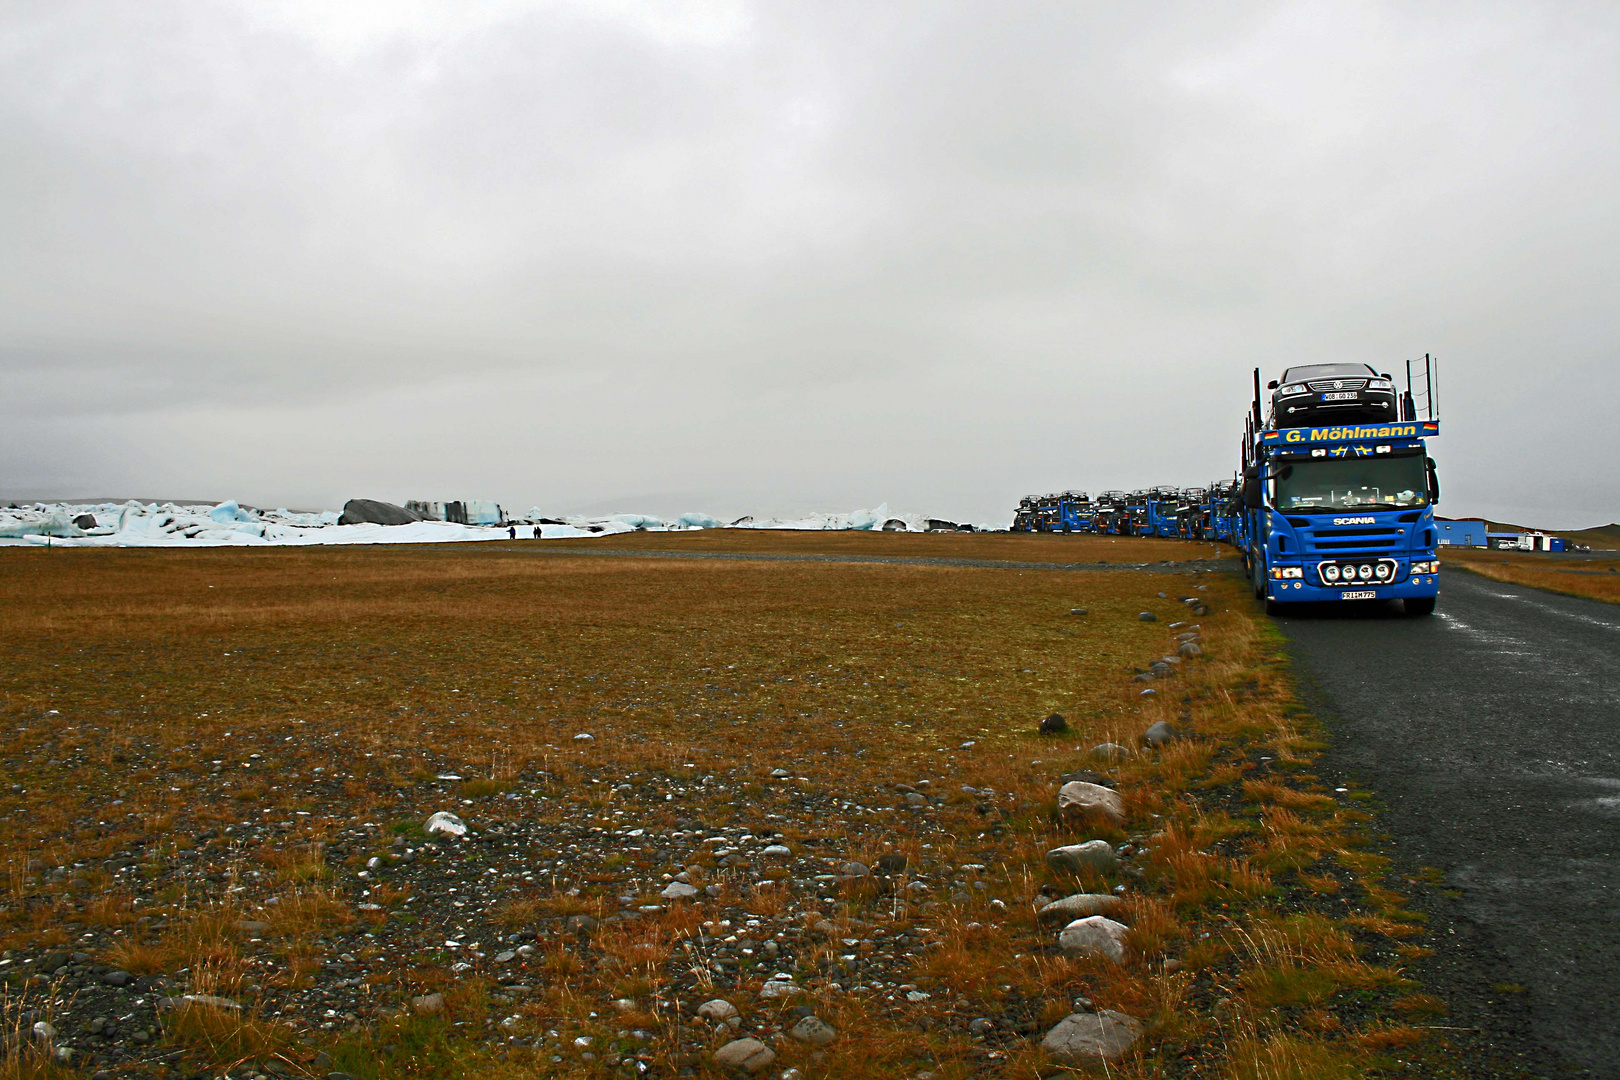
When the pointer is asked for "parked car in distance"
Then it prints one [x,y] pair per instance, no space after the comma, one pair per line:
[1332,394]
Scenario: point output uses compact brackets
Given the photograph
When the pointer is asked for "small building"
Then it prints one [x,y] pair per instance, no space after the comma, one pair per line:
[1541,542]
[1451,533]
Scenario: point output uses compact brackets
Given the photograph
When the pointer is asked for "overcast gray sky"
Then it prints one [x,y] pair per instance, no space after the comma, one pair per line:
[779,257]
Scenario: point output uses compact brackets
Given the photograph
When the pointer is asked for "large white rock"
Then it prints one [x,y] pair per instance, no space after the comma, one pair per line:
[679,890]
[1079,797]
[1087,1038]
[444,823]
[717,1009]
[745,1055]
[778,988]
[1091,855]
[813,1030]
[1096,935]
[1080,905]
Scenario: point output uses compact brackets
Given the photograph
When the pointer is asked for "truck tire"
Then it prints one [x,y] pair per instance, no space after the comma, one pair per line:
[1273,607]
[1419,605]
[1257,576]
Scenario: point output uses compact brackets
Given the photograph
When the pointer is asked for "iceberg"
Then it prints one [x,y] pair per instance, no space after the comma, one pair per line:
[228,512]
[134,524]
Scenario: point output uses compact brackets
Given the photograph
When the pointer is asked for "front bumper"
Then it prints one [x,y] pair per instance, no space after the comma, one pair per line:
[1305,410]
[1303,592]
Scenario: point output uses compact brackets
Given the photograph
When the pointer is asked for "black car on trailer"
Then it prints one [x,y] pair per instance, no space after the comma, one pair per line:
[1312,394]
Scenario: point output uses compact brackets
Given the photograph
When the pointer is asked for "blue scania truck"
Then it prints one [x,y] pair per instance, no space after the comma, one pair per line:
[1340,510]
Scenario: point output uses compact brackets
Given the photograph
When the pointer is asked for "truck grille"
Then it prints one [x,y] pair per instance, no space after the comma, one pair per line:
[1351,541]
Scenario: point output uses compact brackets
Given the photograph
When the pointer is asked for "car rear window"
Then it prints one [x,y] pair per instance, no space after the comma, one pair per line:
[1328,371]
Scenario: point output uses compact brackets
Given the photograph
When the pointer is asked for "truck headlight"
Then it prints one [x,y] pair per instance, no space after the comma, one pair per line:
[1426,567]
[1330,572]
[1281,572]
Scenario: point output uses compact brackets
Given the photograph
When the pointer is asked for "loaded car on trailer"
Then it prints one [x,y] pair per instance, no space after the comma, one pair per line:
[1312,394]
[1024,518]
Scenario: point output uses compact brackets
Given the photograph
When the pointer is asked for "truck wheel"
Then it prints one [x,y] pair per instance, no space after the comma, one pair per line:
[1419,605]
[1274,608]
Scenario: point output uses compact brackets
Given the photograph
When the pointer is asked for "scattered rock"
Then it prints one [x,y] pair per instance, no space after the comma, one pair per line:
[428,1004]
[1080,906]
[778,988]
[584,736]
[718,1010]
[1160,734]
[1091,855]
[118,978]
[44,1032]
[1095,935]
[1079,797]
[1147,616]
[1109,752]
[813,1030]
[1054,725]
[778,851]
[1078,611]
[444,823]
[745,1055]
[1190,649]
[914,798]
[855,869]
[892,863]
[1087,1038]
[679,890]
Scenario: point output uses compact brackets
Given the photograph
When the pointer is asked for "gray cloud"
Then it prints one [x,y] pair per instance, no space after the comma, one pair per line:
[772,257]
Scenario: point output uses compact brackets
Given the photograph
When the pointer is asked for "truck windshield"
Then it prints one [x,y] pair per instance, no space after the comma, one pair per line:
[1353,483]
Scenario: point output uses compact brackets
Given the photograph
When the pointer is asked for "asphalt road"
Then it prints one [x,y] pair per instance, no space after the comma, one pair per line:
[1490,735]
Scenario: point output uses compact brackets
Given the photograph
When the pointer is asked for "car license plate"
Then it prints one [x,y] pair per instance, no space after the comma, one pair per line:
[1358,594]
[1347,395]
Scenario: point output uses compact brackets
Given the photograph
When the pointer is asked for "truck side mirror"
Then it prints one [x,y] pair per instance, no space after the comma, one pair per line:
[1272,385]
[1250,472]
[1252,493]
[1434,484]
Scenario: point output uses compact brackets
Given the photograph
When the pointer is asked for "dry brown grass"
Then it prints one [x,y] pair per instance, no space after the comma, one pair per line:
[1009,547]
[1596,579]
[487,660]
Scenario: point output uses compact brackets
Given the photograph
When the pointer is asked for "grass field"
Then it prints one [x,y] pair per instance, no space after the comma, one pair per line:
[1010,547]
[1597,578]
[218,765]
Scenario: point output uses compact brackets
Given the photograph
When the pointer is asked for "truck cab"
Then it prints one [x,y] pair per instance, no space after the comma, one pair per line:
[1343,513]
